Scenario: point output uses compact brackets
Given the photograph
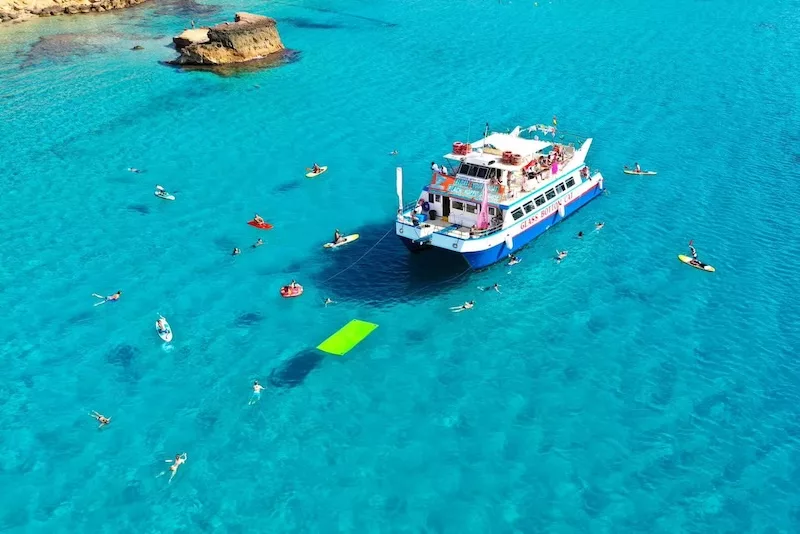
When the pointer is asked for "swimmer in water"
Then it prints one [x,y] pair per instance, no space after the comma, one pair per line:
[466,306]
[328,301]
[101,418]
[258,243]
[134,170]
[496,287]
[236,252]
[176,463]
[256,396]
[393,153]
[560,255]
[110,298]
[580,235]
[599,225]
[513,260]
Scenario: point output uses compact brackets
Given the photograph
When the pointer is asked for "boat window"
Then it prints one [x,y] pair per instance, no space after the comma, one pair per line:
[560,188]
[550,194]
[570,182]
[492,210]
[528,207]
[492,174]
[456,205]
[463,168]
[517,213]
[482,172]
[472,208]
[430,197]
[539,200]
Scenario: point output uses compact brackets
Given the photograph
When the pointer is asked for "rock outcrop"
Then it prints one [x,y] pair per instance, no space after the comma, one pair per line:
[20,10]
[190,37]
[249,38]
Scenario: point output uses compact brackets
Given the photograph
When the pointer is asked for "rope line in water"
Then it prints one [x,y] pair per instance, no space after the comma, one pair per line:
[359,259]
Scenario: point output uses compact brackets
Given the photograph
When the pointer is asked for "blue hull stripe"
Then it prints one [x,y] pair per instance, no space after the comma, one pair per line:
[485,258]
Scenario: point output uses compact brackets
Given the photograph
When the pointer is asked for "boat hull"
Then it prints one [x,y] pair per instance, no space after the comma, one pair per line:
[487,257]
[484,258]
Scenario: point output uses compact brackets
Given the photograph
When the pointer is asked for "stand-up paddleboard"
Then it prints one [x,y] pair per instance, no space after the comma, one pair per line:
[288,292]
[640,173]
[160,192]
[166,334]
[345,240]
[322,169]
[262,226]
[696,264]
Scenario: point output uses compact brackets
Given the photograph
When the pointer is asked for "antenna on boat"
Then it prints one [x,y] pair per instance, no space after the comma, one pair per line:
[399,173]
[486,131]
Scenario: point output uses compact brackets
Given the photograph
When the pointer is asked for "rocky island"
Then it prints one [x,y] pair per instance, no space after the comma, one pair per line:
[250,37]
[21,10]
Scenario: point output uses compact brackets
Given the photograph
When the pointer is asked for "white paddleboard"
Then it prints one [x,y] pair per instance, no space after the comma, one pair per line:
[166,196]
[165,335]
[322,169]
[347,239]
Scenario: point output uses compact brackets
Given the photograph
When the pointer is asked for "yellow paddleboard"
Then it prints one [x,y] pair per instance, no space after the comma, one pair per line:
[315,174]
[347,239]
[696,264]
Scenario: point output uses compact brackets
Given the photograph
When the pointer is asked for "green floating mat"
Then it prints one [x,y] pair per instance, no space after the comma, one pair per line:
[347,337]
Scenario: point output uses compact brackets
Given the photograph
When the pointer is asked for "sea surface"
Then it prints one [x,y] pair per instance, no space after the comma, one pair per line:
[617,391]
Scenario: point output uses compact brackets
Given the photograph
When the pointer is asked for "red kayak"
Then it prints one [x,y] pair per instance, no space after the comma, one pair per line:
[264,226]
[288,292]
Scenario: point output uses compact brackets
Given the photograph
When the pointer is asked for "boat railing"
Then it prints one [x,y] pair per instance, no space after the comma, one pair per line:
[473,232]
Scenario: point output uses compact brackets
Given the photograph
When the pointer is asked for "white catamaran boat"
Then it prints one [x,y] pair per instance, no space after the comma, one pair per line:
[503,191]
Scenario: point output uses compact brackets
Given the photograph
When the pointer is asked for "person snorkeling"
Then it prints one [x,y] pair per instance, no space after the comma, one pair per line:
[236,252]
[561,254]
[176,463]
[110,298]
[513,260]
[258,243]
[327,301]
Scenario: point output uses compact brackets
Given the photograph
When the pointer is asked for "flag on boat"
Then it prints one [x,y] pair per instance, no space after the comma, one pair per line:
[483,216]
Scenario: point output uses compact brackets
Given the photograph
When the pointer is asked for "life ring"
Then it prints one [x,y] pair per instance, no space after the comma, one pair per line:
[426,206]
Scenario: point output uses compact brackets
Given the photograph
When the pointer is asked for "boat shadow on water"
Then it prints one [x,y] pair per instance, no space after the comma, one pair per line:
[389,272]
[293,372]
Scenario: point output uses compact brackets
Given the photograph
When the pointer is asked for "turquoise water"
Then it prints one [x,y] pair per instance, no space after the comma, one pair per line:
[619,391]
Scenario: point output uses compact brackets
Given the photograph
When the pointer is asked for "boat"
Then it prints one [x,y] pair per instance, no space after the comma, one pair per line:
[260,225]
[288,292]
[503,191]
[640,173]
[315,174]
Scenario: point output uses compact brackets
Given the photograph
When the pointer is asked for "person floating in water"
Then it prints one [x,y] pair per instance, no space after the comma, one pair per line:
[580,235]
[101,418]
[328,301]
[257,218]
[599,225]
[110,298]
[496,287]
[560,255]
[134,170]
[337,237]
[513,260]
[236,252]
[258,243]
[393,153]
[466,306]
[176,463]
[256,396]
